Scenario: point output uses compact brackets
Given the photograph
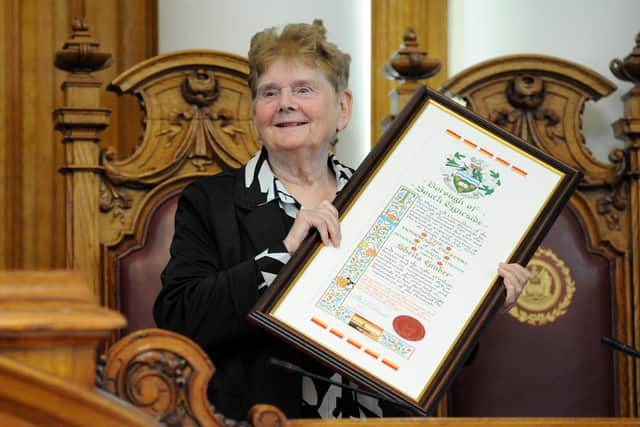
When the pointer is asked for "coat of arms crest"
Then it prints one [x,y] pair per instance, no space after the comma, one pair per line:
[470,178]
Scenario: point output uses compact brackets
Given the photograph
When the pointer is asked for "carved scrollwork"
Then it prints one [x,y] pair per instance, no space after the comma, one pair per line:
[157,381]
[205,131]
[526,94]
[259,416]
[611,204]
[166,375]
[163,374]
[616,199]
[112,200]
[267,416]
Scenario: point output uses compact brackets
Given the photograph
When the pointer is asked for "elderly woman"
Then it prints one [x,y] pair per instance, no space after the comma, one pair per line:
[234,231]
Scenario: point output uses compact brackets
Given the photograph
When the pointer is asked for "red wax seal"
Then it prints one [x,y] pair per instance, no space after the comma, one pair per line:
[408,328]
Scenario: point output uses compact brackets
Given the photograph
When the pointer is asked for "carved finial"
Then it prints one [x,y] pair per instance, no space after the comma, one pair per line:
[410,38]
[410,62]
[80,52]
[79,24]
[629,68]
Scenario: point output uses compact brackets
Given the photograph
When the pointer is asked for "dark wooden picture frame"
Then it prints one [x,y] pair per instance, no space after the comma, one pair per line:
[463,340]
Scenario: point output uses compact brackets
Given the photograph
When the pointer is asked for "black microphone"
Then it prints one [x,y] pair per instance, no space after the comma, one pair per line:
[621,346]
[290,367]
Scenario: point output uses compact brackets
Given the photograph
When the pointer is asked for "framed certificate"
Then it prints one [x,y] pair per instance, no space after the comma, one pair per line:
[441,199]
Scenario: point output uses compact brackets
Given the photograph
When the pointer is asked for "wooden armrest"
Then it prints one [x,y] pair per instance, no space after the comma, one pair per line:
[164,374]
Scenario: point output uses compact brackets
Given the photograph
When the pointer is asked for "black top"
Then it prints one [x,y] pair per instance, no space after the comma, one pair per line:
[227,230]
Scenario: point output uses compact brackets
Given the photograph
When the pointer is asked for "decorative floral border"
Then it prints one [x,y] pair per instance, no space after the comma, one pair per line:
[341,285]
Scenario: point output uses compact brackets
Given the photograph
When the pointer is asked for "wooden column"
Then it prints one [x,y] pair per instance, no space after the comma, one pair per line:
[81,121]
[390,19]
[628,129]
[408,65]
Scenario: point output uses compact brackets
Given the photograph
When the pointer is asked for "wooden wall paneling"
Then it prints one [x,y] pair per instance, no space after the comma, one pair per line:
[4,120]
[32,195]
[389,21]
[10,247]
[41,185]
[30,188]
[5,212]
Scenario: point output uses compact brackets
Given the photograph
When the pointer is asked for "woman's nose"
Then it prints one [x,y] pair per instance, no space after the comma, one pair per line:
[287,101]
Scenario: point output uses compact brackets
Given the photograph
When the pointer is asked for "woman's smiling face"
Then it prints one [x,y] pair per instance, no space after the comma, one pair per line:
[296,107]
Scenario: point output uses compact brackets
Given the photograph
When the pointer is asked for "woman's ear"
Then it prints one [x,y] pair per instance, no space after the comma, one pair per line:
[345,102]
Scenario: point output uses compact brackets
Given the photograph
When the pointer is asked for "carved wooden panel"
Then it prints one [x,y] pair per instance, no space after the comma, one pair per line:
[164,374]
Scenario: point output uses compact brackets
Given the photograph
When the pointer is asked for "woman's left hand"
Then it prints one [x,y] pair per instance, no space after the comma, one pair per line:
[514,277]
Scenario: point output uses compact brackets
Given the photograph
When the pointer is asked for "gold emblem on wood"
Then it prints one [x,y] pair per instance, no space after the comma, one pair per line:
[549,293]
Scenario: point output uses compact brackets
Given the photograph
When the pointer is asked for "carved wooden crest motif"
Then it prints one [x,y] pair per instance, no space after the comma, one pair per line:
[541,99]
[538,98]
[527,116]
[197,121]
[195,114]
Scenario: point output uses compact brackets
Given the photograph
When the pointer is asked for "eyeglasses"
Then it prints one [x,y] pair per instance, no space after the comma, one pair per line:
[273,92]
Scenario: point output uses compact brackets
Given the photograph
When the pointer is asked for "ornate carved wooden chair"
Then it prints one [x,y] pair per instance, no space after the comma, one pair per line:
[545,357]
[196,107]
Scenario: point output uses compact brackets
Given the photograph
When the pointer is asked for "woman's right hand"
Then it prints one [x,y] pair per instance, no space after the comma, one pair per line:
[323,218]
